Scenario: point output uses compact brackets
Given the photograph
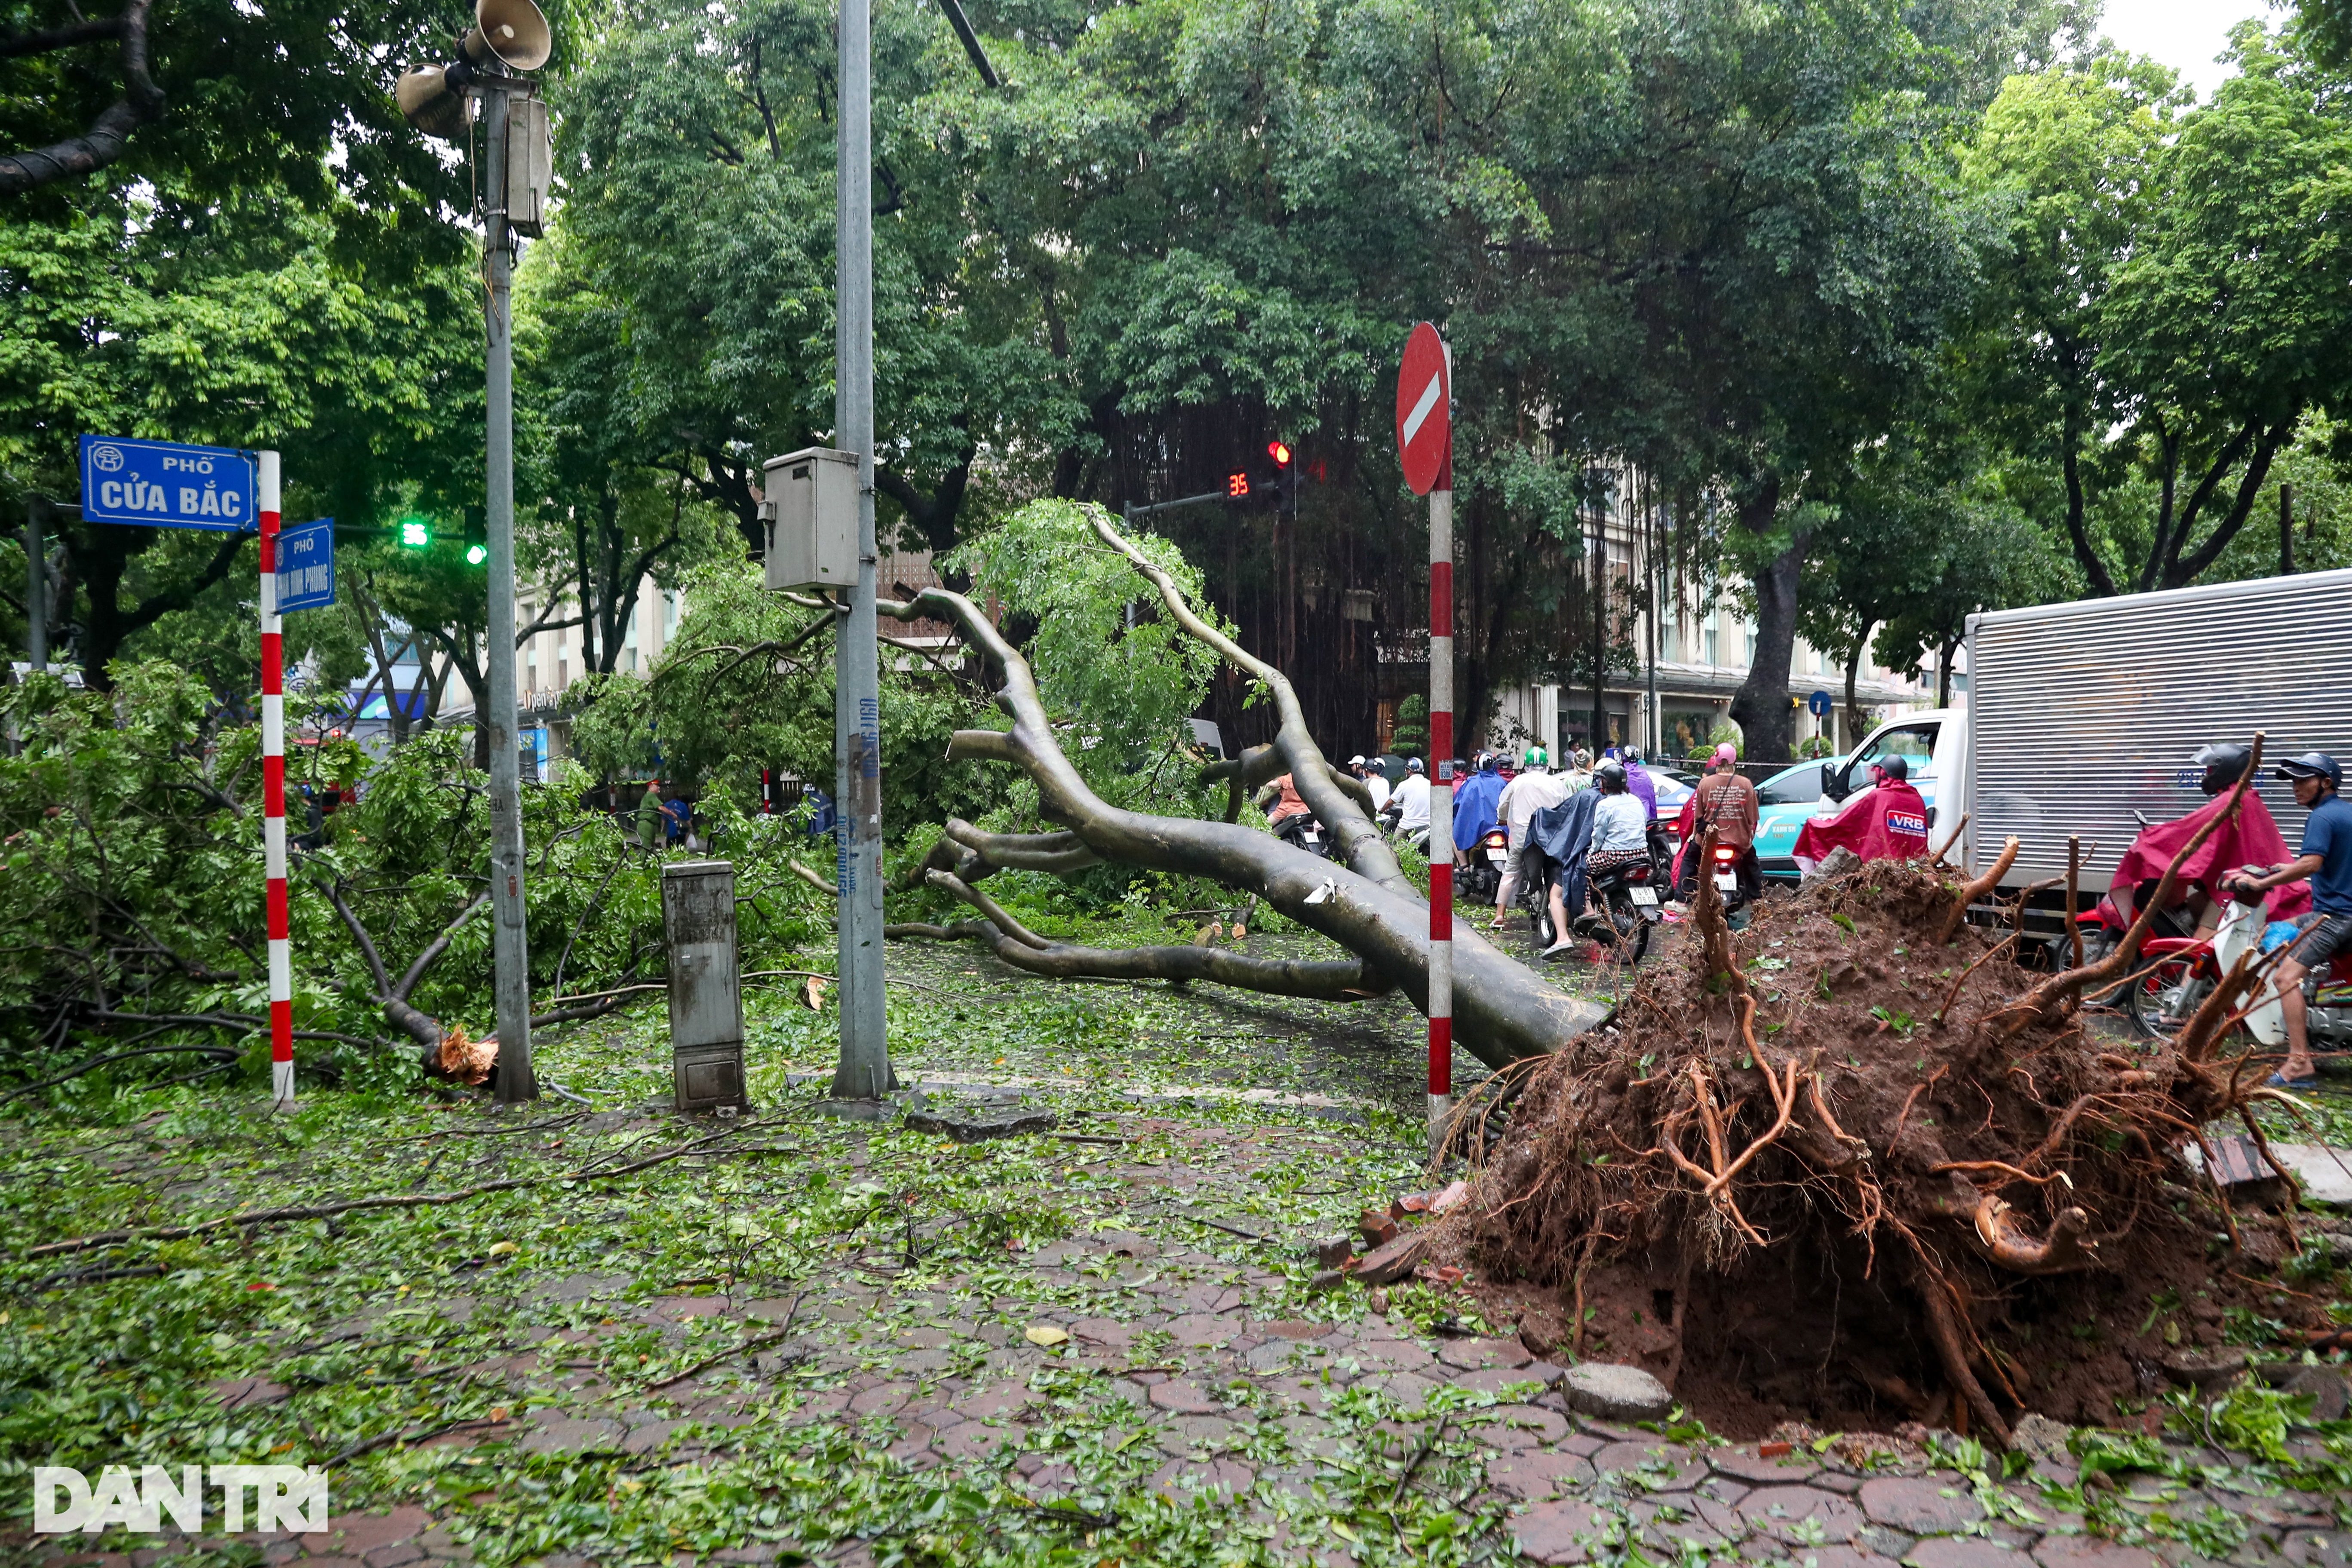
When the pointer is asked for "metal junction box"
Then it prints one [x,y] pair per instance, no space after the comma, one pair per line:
[706,986]
[812,515]
[529,166]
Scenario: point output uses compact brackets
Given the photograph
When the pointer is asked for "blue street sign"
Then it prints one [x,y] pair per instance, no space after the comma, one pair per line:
[166,485]
[306,565]
[1818,704]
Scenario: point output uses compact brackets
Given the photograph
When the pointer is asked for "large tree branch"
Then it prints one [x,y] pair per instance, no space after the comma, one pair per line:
[1335,980]
[2178,573]
[436,947]
[2166,549]
[1057,852]
[1504,1010]
[2078,532]
[42,40]
[103,142]
[1360,843]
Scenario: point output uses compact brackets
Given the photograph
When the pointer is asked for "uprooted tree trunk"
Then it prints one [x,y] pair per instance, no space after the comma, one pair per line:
[1896,1180]
[1362,899]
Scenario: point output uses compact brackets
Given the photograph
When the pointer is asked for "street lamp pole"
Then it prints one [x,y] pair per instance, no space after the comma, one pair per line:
[864,1073]
[509,942]
[37,610]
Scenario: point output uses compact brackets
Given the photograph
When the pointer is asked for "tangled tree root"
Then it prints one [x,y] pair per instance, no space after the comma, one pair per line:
[1842,1166]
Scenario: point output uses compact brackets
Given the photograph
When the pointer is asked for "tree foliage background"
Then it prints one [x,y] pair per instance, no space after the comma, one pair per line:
[1896,312]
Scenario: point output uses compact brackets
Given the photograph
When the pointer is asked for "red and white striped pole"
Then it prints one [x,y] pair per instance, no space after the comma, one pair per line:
[273,790]
[1424,421]
[1441,805]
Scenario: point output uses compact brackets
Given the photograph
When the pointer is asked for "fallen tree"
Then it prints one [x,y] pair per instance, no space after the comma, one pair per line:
[1894,1180]
[1361,898]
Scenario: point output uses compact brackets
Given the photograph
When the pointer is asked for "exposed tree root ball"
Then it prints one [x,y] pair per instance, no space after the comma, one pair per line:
[1842,1168]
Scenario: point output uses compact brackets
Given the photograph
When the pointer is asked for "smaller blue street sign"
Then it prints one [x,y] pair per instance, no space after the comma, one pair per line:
[306,565]
[1818,704]
[164,484]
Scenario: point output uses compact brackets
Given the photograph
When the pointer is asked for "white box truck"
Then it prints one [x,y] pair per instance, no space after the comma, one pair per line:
[2082,717]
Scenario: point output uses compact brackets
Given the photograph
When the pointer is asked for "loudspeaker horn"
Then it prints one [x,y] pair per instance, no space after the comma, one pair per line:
[426,102]
[512,31]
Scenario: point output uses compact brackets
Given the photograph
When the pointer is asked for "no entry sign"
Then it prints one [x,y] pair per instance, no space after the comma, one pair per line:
[1423,411]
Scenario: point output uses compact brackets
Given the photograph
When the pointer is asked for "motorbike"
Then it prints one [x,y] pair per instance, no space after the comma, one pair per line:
[1303,830]
[1484,874]
[1663,846]
[1726,872]
[2178,972]
[2104,925]
[1630,909]
[1534,895]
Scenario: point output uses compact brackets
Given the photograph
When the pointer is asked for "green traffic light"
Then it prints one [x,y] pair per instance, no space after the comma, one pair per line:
[476,554]
[414,533]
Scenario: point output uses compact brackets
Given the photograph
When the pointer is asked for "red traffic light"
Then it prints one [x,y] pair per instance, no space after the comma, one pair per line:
[1236,485]
[1280,452]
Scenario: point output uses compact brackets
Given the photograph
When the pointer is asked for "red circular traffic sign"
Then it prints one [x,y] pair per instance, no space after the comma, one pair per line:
[1425,417]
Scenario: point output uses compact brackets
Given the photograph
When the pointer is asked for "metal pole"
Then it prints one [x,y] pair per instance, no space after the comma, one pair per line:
[36,585]
[1653,740]
[509,950]
[865,1070]
[1441,806]
[1599,606]
[273,792]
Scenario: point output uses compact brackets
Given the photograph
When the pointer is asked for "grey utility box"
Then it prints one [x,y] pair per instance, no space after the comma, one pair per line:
[812,515]
[529,165]
[706,984]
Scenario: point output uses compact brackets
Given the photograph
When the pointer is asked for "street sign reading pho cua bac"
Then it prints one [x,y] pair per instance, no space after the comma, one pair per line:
[306,567]
[166,484]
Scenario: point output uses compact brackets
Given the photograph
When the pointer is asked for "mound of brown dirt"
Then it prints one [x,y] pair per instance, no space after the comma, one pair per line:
[1855,1167]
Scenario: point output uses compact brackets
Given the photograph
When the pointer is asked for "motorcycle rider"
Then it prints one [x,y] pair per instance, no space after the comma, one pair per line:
[1533,788]
[1728,802]
[1473,806]
[1619,825]
[1642,785]
[2251,838]
[1287,811]
[2326,860]
[1374,780]
[1886,821]
[1412,800]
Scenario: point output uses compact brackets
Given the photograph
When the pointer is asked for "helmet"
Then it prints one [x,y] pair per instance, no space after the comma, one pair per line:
[1357,760]
[2224,765]
[1413,765]
[1893,766]
[1533,757]
[1610,776]
[2313,766]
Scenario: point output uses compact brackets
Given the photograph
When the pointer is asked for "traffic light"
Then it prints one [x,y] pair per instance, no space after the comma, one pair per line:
[415,533]
[1286,480]
[1275,485]
[477,547]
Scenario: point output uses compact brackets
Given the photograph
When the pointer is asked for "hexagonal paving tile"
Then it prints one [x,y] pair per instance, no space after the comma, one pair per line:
[1801,1515]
